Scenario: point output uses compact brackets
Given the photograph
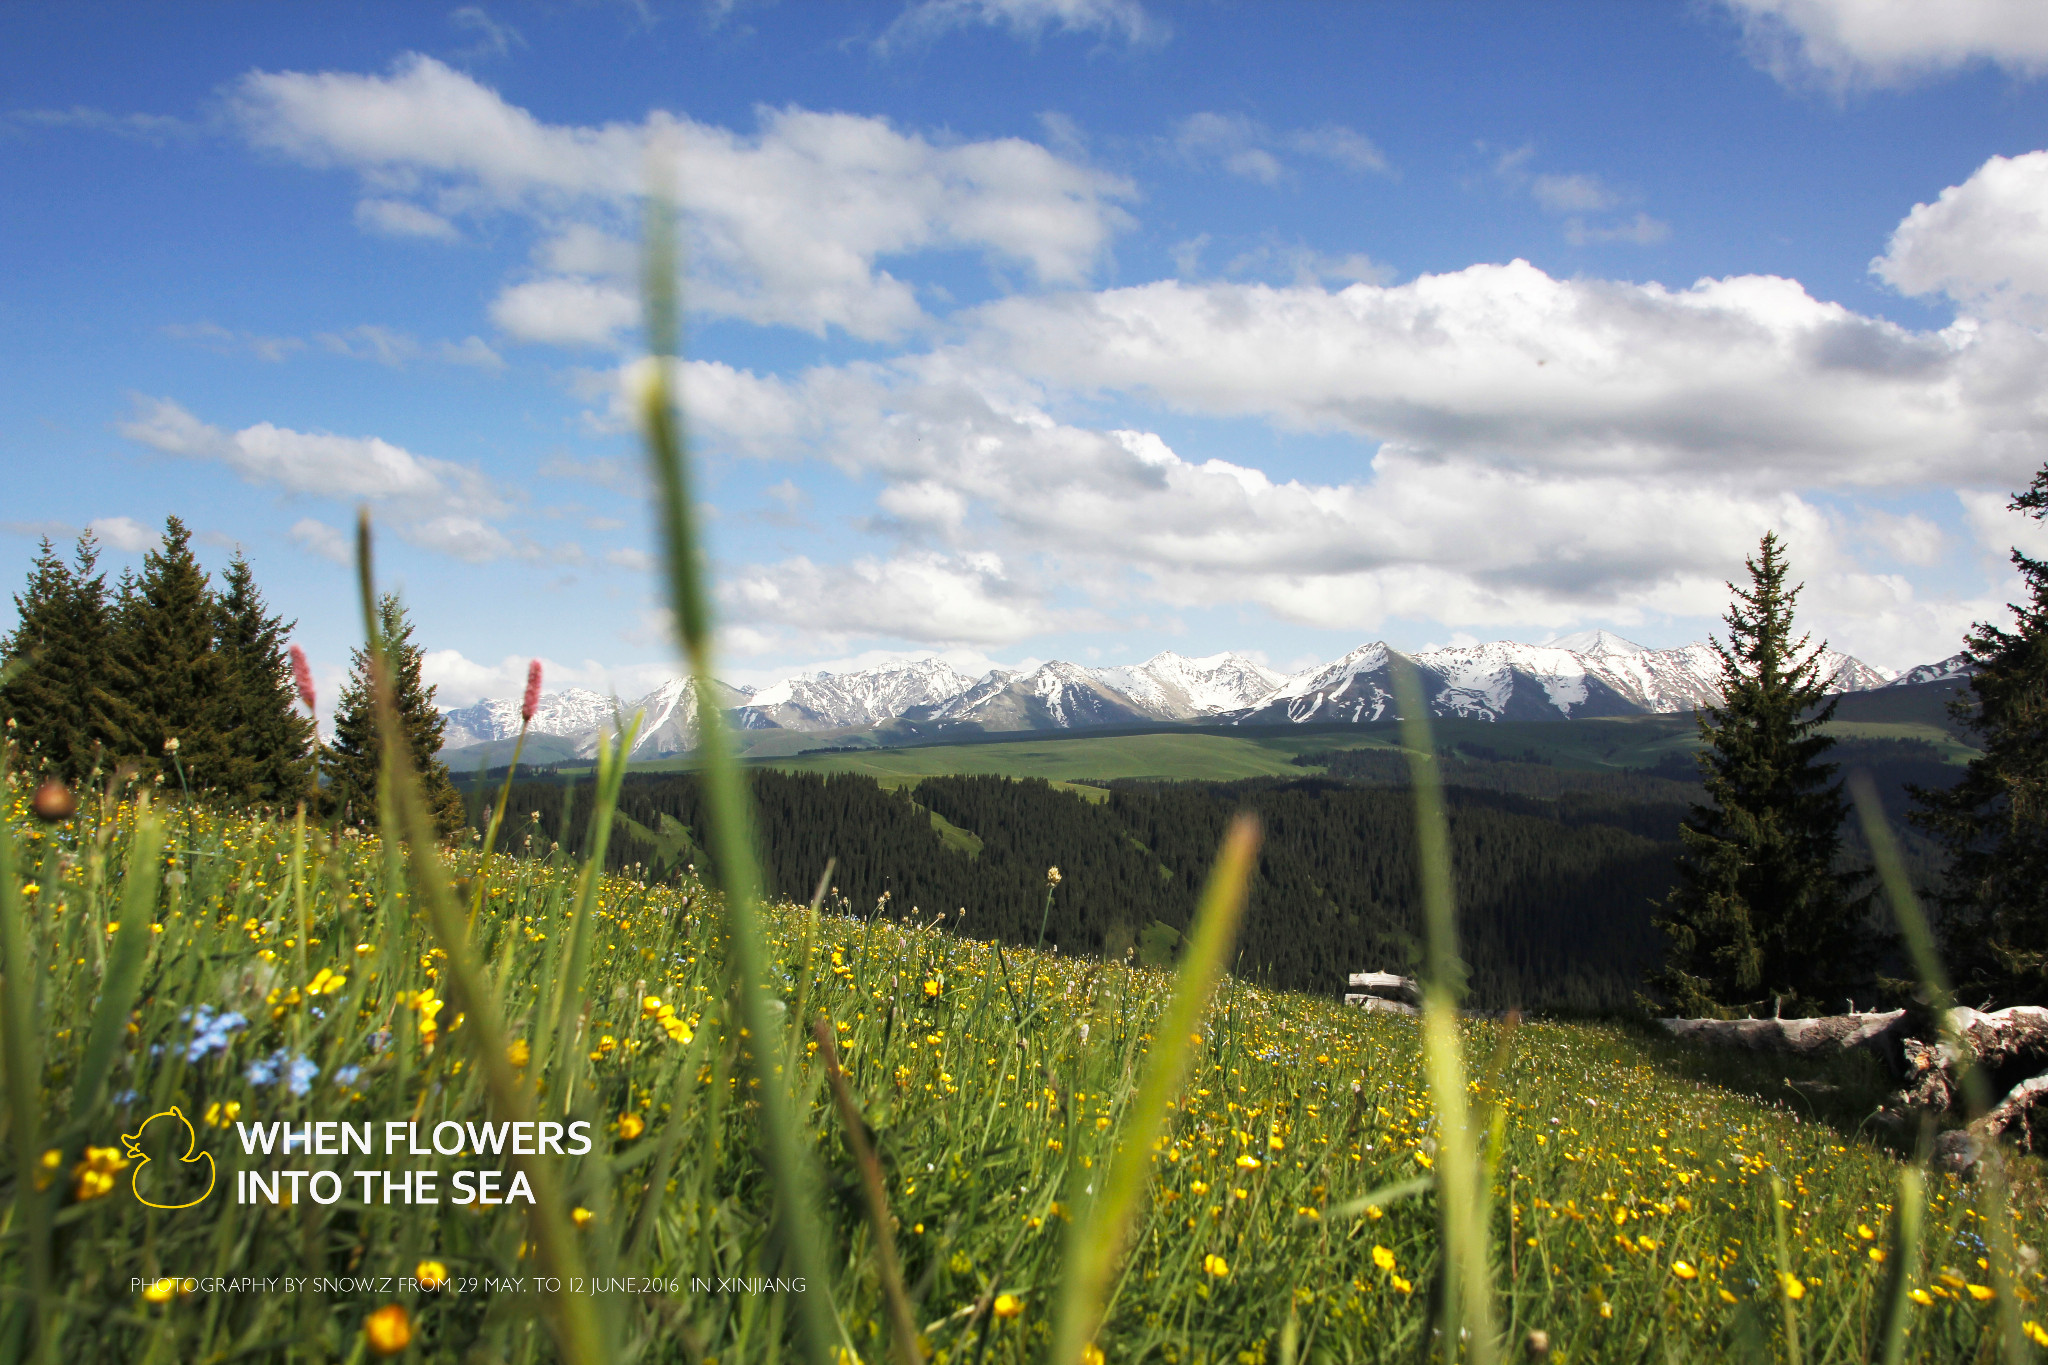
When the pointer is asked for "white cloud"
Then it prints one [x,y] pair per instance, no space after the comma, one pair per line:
[1572,194]
[1026,19]
[436,504]
[397,218]
[1745,377]
[786,227]
[566,312]
[328,542]
[1983,243]
[1245,147]
[1850,43]
[493,39]
[152,128]
[927,597]
[124,533]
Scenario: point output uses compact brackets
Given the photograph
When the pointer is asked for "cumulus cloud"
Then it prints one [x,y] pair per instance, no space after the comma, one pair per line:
[1747,376]
[927,597]
[434,503]
[124,533]
[1983,243]
[317,537]
[1845,44]
[1026,19]
[787,226]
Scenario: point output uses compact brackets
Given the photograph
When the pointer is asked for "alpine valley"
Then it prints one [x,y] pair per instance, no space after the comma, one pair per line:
[1591,674]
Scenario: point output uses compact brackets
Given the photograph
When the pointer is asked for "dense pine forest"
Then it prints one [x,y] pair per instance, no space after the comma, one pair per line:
[1558,869]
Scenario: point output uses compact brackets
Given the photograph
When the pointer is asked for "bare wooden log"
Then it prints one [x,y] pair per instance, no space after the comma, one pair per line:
[2014,1111]
[1386,985]
[1374,1004]
[1880,1033]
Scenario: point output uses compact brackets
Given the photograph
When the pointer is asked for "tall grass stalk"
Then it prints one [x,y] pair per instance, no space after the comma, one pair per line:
[790,1173]
[579,1332]
[1095,1246]
[902,1325]
[1977,1098]
[1468,1274]
[23,1043]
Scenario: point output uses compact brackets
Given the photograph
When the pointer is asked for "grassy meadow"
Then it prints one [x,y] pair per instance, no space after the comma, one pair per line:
[1637,1212]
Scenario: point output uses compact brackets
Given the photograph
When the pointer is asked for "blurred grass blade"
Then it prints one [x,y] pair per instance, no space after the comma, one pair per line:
[902,1324]
[1468,1279]
[23,1042]
[801,1231]
[1095,1245]
[1977,1098]
[1789,1287]
[1903,1260]
[1381,1197]
[124,965]
[579,1332]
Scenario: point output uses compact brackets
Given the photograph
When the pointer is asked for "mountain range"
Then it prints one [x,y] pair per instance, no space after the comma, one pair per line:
[1593,673]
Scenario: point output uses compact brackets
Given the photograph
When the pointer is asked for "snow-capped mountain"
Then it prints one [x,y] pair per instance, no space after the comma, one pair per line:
[1954,666]
[572,711]
[1170,687]
[1055,696]
[1592,673]
[828,701]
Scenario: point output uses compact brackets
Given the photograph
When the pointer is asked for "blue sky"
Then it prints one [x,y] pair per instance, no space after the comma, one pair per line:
[1026,329]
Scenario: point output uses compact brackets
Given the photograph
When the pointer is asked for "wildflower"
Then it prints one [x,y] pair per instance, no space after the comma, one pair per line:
[1403,1285]
[159,1290]
[1247,1162]
[1306,1212]
[1052,877]
[389,1329]
[531,702]
[631,1126]
[1921,1297]
[1274,1143]
[931,992]
[1792,1285]
[296,1072]
[302,677]
[1684,1271]
[1982,1293]
[432,1274]
[95,1174]
[1009,1306]
[581,1216]
[519,1053]
[53,1161]
[171,745]
[1091,1354]
[2034,1332]
[1215,1266]
[652,1006]
[209,1030]
[1865,1231]
[220,1115]
[1198,1187]
[1383,1257]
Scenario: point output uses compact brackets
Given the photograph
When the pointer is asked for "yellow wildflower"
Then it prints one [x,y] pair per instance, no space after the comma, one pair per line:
[432,1274]
[389,1329]
[1215,1266]
[1009,1306]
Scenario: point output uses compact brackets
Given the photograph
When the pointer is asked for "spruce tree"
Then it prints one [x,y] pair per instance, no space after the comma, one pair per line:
[1762,916]
[267,744]
[1994,823]
[66,720]
[351,762]
[171,672]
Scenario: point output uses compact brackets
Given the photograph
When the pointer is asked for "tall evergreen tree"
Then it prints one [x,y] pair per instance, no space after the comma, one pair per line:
[174,675]
[267,743]
[351,762]
[66,717]
[1761,913]
[1994,823]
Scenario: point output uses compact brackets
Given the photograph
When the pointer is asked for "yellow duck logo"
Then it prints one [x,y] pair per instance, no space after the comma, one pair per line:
[133,1143]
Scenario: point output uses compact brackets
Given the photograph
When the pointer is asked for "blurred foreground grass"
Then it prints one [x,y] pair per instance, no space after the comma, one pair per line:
[1631,1218]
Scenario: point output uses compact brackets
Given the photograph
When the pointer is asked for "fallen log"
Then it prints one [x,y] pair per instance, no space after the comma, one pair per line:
[2008,1046]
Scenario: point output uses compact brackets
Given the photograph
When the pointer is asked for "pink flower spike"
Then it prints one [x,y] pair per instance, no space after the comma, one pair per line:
[302,674]
[532,702]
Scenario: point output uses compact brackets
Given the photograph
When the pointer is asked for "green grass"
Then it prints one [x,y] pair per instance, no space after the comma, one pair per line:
[1620,1160]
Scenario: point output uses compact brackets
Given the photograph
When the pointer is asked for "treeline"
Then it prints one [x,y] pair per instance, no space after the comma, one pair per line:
[100,676]
[1553,915]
